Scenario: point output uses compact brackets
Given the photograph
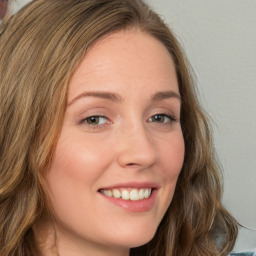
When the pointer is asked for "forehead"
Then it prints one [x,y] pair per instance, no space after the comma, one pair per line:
[125,58]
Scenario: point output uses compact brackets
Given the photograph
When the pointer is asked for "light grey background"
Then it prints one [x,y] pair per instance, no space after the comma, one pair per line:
[219,38]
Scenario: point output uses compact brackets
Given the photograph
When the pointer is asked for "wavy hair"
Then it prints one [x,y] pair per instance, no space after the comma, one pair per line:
[40,48]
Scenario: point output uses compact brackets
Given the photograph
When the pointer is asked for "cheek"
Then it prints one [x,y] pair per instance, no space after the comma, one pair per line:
[72,180]
[172,155]
[74,172]
[172,158]
[76,159]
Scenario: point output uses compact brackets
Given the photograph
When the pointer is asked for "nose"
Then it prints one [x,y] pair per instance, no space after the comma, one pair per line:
[136,148]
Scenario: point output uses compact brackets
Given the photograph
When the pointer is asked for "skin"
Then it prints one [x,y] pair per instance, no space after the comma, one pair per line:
[128,144]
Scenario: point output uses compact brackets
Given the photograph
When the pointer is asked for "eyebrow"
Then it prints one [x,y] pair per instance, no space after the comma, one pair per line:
[98,94]
[159,96]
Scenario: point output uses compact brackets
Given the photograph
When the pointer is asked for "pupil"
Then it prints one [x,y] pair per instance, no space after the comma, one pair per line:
[158,118]
[93,120]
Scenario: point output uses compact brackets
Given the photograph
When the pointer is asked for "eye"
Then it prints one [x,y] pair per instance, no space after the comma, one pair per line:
[162,118]
[95,120]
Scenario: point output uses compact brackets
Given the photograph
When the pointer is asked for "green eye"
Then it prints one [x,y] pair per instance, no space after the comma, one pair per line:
[95,120]
[161,118]
[158,118]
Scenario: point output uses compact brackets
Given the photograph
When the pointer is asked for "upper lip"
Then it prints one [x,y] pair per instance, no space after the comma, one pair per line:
[137,185]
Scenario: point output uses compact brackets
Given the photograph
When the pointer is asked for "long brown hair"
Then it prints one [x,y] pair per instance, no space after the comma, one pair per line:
[40,47]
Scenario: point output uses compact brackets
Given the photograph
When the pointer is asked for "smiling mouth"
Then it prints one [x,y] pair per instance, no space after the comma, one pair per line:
[132,194]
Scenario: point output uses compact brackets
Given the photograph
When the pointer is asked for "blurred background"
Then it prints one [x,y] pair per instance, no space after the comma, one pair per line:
[219,38]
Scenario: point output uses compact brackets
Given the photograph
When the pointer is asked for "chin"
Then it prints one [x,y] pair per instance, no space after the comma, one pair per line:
[134,237]
[141,241]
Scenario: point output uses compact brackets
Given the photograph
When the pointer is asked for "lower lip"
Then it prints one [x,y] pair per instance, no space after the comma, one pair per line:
[143,205]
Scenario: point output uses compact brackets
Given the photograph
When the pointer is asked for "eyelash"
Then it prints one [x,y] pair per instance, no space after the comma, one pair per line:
[95,126]
[170,120]
[165,115]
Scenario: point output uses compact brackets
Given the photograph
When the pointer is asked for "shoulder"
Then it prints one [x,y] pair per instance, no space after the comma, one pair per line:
[244,253]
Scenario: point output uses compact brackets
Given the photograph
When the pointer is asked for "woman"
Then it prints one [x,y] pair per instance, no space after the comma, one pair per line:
[104,147]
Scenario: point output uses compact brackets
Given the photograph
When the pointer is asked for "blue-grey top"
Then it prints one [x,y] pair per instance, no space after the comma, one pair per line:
[244,253]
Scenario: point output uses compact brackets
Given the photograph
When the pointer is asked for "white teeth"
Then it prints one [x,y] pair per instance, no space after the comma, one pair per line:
[141,194]
[147,193]
[133,194]
[125,195]
[107,193]
[116,193]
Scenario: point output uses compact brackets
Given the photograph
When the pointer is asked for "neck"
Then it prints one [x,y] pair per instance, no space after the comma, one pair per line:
[54,241]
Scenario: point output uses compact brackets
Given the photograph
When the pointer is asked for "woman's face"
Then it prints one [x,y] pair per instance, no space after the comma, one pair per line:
[121,147]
